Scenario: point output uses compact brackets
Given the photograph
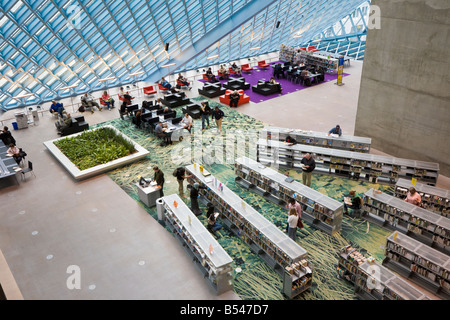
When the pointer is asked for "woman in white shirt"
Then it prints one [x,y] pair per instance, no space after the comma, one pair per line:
[14,152]
[292,221]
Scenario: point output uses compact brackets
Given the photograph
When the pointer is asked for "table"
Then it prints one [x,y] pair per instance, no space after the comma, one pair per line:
[149,195]
[175,130]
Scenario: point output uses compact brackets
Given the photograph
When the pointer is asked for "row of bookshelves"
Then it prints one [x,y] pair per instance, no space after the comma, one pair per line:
[320,139]
[372,281]
[206,252]
[375,168]
[427,227]
[433,198]
[273,246]
[410,257]
[316,207]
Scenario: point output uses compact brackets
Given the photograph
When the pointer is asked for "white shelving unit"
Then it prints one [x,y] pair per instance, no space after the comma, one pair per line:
[318,139]
[423,265]
[395,214]
[279,251]
[207,254]
[356,165]
[372,281]
[318,209]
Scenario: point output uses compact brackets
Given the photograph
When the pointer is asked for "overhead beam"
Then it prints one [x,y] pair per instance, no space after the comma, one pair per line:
[223,29]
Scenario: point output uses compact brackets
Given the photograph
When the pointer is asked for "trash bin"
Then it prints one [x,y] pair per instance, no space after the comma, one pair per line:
[15,126]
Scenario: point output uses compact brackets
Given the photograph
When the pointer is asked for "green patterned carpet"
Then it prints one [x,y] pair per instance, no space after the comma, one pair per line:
[253,279]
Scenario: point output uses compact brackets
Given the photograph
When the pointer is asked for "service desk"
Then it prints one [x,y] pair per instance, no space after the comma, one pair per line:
[148,195]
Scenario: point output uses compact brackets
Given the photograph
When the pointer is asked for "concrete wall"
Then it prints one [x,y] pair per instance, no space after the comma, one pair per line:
[404,99]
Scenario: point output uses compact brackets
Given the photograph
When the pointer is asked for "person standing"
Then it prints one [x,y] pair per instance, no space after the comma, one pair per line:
[413,197]
[218,115]
[194,195]
[292,221]
[234,99]
[292,203]
[308,165]
[6,137]
[159,178]
[180,174]
[205,111]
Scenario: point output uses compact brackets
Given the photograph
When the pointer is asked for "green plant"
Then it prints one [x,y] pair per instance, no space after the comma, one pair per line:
[95,147]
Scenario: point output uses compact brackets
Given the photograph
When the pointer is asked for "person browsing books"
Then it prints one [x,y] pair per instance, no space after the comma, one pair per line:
[413,197]
[159,178]
[336,130]
[308,165]
[212,219]
[194,195]
[290,141]
[292,221]
[352,201]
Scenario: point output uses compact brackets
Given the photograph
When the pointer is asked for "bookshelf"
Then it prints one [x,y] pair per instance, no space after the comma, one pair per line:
[396,214]
[308,57]
[205,251]
[433,198]
[279,251]
[371,280]
[320,139]
[421,264]
[353,165]
[286,54]
[317,209]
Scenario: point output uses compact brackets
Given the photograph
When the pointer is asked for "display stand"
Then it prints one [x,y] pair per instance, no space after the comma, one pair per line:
[355,165]
[433,198]
[421,264]
[319,139]
[395,214]
[279,251]
[371,280]
[318,209]
[207,254]
[148,195]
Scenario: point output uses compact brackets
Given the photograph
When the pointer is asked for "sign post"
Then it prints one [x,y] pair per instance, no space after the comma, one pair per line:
[340,71]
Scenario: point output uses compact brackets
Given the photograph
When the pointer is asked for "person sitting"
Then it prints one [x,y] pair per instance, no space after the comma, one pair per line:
[160,131]
[184,81]
[137,118]
[125,96]
[14,152]
[212,219]
[224,72]
[234,99]
[165,83]
[64,122]
[6,137]
[211,77]
[236,69]
[108,100]
[167,110]
[273,81]
[352,201]
[187,121]
[278,71]
[123,110]
[158,102]
[56,108]
[336,130]
[87,101]
[290,141]
[413,197]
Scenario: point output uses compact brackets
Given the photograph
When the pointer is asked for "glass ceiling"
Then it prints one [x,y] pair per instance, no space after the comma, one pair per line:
[47,46]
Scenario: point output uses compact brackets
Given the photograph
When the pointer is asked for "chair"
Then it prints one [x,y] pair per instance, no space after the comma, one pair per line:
[232,71]
[29,169]
[263,65]
[149,90]
[181,85]
[163,89]
[246,68]
[103,103]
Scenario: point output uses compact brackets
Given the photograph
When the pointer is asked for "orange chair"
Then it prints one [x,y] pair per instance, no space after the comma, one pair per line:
[103,103]
[149,90]
[246,68]
[224,76]
[182,84]
[226,97]
[122,99]
[262,64]
[205,77]
[232,71]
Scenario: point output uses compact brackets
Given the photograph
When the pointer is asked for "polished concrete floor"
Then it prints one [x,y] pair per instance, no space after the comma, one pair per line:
[50,222]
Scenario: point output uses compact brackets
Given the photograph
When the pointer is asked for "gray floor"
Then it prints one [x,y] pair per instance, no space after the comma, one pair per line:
[122,252]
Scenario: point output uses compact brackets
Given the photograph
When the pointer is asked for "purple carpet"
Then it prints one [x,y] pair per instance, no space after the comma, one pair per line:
[261,74]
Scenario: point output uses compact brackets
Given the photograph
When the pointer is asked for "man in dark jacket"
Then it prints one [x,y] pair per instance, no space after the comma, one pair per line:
[195,188]
[234,99]
[205,111]
[218,115]
[6,136]
[308,165]
[159,178]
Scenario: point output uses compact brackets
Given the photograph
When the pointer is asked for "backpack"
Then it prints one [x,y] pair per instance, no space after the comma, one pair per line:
[178,171]
[81,109]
